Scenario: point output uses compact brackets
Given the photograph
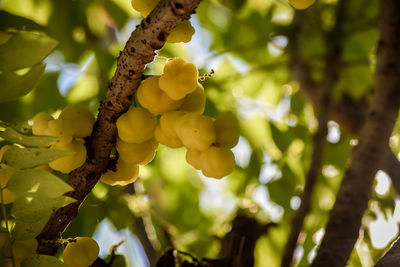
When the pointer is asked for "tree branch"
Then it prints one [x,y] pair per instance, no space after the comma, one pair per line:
[237,247]
[348,113]
[139,50]
[392,257]
[334,44]
[352,200]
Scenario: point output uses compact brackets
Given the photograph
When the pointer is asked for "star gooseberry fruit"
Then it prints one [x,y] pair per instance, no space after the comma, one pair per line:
[126,173]
[7,195]
[183,32]
[81,253]
[195,101]
[227,130]
[40,123]
[136,126]
[301,4]
[137,153]
[217,162]
[179,78]
[155,100]
[78,120]
[196,131]
[70,162]
[144,7]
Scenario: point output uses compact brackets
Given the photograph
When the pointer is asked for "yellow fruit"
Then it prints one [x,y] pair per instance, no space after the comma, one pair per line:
[301,4]
[227,130]
[126,173]
[81,253]
[136,153]
[149,157]
[217,162]
[155,100]
[168,122]
[183,32]
[195,101]
[68,163]
[193,157]
[179,78]
[78,120]
[5,175]
[7,196]
[196,131]
[40,123]
[162,138]
[165,133]
[20,250]
[24,248]
[136,126]
[56,128]
[144,6]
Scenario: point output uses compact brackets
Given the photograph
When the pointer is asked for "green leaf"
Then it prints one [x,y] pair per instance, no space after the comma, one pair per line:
[39,194]
[37,260]
[22,158]
[26,140]
[4,37]
[32,214]
[30,183]
[14,86]
[25,49]
[118,261]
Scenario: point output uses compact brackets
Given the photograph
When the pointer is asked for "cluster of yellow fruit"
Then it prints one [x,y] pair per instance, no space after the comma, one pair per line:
[81,252]
[177,96]
[17,250]
[183,32]
[301,4]
[73,124]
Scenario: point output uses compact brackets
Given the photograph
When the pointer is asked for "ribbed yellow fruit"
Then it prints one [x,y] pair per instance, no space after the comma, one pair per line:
[81,253]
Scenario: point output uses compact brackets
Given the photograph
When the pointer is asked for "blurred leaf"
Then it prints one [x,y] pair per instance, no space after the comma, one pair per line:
[118,260]
[283,189]
[9,20]
[25,49]
[15,86]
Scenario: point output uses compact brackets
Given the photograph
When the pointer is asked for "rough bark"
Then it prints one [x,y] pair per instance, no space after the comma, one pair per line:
[237,247]
[139,50]
[392,257]
[352,200]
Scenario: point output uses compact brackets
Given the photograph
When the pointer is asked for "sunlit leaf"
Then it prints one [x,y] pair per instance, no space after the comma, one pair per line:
[37,182]
[21,158]
[32,213]
[26,140]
